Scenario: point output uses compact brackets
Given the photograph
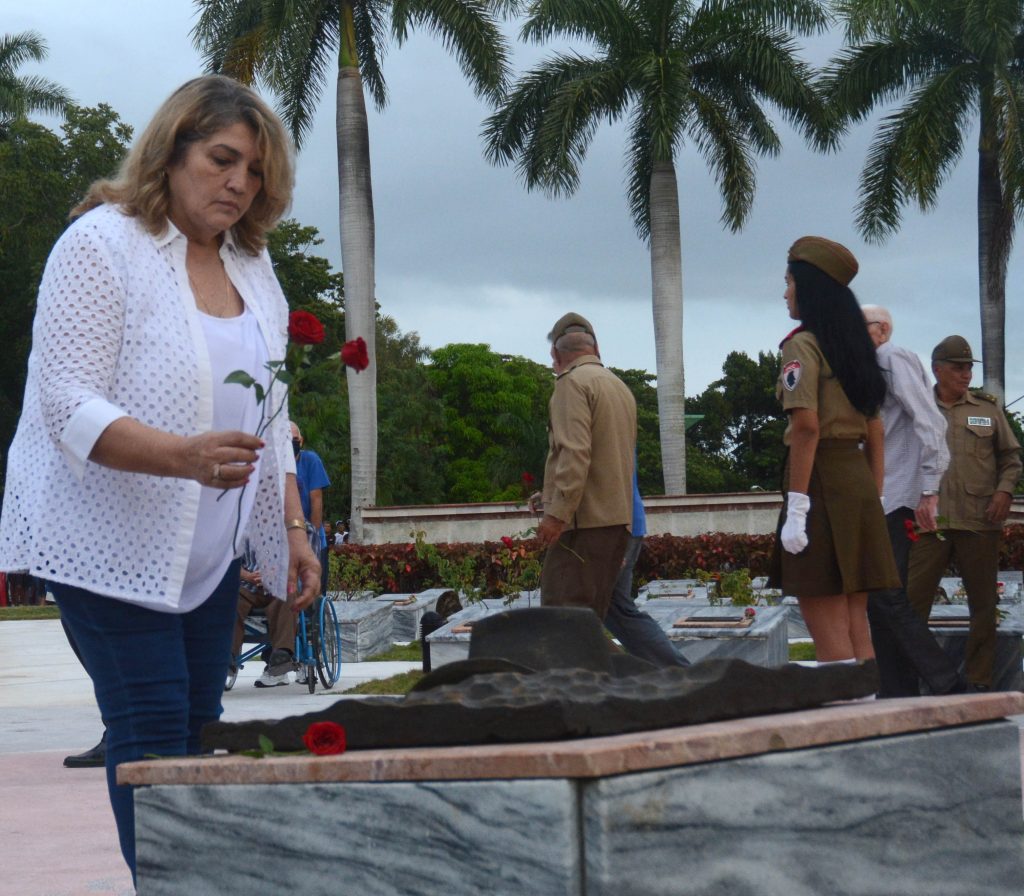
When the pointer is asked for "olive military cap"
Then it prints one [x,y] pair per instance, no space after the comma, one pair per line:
[833,258]
[570,323]
[954,349]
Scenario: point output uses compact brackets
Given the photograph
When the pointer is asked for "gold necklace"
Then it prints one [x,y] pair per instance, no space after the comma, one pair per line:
[205,305]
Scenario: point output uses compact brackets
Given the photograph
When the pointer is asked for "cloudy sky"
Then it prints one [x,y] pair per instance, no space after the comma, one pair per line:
[465,254]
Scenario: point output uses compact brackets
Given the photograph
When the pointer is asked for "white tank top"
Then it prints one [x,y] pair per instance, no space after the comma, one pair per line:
[234,343]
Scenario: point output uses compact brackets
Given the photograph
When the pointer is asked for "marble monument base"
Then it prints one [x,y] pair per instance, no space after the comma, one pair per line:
[920,797]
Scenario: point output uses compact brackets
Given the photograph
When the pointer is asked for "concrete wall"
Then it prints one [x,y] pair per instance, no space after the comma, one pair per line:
[750,513]
[745,512]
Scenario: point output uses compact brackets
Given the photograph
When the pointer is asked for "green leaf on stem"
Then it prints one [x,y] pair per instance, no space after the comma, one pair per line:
[241,378]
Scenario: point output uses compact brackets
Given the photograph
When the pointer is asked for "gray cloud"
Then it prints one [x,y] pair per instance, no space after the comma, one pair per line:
[465,254]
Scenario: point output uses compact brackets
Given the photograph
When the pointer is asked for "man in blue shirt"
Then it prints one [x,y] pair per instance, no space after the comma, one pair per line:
[311,478]
[635,629]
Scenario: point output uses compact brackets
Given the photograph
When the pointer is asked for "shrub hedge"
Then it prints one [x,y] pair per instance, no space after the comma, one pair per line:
[395,568]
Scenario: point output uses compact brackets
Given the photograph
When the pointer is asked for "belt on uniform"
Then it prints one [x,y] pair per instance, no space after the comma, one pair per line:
[839,443]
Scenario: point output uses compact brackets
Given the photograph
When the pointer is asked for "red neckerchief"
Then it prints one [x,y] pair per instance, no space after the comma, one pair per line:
[791,334]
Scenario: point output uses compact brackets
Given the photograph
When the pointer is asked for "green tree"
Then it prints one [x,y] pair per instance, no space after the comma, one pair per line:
[495,421]
[648,445]
[740,438]
[22,95]
[409,420]
[42,175]
[680,70]
[958,65]
[289,46]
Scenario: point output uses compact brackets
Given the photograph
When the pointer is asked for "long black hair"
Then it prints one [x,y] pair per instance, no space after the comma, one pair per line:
[829,311]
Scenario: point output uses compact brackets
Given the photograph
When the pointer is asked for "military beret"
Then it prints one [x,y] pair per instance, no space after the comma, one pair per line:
[570,323]
[954,349]
[833,258]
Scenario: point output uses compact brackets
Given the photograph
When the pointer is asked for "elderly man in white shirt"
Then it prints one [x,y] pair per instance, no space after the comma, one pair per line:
[916,456]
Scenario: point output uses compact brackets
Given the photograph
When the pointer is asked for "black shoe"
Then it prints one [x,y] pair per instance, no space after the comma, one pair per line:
[94,758]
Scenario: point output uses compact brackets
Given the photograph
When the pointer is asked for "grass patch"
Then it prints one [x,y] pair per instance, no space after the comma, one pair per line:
[47,611]
[400,653]
[801,650]
[396,684]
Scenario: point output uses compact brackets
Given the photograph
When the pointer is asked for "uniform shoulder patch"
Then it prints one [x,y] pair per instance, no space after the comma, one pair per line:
[984,396]
[791,374]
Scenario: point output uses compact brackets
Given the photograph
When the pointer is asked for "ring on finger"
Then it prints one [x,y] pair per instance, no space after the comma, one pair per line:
[216,471]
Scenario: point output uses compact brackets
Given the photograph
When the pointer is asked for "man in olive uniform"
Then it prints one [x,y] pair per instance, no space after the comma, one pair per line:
[974,500]
[588,477]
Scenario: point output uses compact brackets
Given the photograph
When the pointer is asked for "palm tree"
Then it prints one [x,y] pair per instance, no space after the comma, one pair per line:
[958,64]
[289,46]
[20,96]
[682,71]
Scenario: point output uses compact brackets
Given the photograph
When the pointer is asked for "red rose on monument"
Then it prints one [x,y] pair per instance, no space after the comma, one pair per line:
[508,542]
[325,738]
[354,354]
[304,328]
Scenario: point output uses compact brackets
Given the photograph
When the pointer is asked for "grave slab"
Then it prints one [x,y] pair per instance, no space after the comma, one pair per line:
[407,610]
[765,642]
[1007,671]
[366,629]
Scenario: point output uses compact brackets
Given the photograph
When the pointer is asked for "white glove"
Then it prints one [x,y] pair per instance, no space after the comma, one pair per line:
[794,530]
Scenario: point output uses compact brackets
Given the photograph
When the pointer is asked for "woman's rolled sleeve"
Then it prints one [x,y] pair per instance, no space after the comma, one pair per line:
[83,429]
[77,334]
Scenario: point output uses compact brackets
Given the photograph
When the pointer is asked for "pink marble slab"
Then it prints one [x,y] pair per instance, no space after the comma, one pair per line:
[592,757]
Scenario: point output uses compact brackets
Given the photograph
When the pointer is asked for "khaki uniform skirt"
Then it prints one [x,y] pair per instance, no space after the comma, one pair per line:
[848,548]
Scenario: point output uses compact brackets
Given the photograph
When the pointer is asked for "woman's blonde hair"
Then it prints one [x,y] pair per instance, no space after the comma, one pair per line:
[195,111]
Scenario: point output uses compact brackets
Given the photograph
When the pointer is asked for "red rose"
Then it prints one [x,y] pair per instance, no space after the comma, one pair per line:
[527,478]
[304,328]
[354,355]
[911,530]
[505,540]
[325,738]
[750,612]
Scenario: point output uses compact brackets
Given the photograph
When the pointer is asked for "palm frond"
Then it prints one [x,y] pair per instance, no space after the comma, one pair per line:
[869,19]
[1008,103]
[877,72]
[797,16]
[304,40]
[229,35]
[640,165]
[371,26]
[720,139]
[548,119]
[467,30]
[913,152]
[17,49]
[605,23]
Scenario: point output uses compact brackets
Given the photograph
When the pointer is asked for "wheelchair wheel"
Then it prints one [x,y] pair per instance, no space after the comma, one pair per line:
[328,644]
[311,677]
[232,678]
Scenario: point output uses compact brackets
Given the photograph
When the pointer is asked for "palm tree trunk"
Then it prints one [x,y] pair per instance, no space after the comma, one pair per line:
[357,256]
[667,305]
[995,237]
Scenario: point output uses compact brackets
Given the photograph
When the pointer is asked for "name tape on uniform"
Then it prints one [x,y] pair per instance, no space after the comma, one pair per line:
[979,421]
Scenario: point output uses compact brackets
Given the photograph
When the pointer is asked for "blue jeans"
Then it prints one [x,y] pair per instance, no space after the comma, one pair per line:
[158,677]
[637,631]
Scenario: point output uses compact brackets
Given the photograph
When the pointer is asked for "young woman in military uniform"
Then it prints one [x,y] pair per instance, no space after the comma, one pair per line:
[832,546]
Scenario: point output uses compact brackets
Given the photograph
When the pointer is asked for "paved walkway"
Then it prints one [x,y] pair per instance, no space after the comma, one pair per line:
[59,837]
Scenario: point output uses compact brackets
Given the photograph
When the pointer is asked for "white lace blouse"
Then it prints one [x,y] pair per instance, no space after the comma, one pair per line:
[117,333]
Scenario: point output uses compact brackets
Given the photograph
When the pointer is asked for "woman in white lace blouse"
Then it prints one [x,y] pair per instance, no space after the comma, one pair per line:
[159,289]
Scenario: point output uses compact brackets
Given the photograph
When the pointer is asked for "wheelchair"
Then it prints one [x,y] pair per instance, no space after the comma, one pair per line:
[317,644]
